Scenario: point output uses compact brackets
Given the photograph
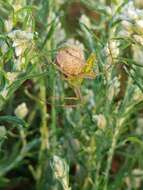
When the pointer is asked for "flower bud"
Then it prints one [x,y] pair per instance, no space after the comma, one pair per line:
[21,110]
[101,120]
[61,170]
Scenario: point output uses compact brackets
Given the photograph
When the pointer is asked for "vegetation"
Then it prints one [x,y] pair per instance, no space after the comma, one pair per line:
[50,138]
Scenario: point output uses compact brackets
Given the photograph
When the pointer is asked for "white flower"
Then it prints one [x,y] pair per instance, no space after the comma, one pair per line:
[101,120]
[137,54]
[73,42]
[11,76]
[59,166]
[137,171]
[84,19]
[111,51]
[127,25]
[124,33]
[61,169]
[21,110]
[3,47]
[139,26]
[139,39]
[109,10]
[131,20]
[18,4]
[20,34]
[129,12]
[90,98]
[139,128]
[2,132]
[59,33]
[21,40]
[138,95]
[4,93]
[19,63]
[8,25]
[114,88]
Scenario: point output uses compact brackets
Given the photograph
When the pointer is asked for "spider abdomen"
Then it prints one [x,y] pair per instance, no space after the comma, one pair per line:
[70,60]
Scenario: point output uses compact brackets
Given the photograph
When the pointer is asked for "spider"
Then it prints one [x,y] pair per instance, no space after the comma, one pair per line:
[72,64]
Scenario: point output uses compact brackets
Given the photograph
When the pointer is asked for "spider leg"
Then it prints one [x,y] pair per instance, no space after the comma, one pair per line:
[78,93]
[49,102]
[89,76]
[60,69]
[67,77]
[65,98]
[76,98]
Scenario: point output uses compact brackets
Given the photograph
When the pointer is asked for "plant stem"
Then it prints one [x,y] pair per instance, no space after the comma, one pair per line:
[44,128]
[53,114]
[111,154]
[43,131]
[96,185]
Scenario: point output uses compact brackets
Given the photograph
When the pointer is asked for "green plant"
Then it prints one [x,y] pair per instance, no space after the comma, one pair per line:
[44,142]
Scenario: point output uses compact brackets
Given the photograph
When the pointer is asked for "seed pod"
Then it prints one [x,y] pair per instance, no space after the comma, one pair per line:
[70,60]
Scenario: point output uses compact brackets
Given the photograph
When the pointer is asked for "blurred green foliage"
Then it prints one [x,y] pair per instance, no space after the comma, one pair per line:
[45,142]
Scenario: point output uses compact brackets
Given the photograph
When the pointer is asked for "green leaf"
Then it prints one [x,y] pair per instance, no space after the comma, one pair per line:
[1,25]
[2,81]
[14,86]
[13,119]
[3,182]
[50,32]
[134,140]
